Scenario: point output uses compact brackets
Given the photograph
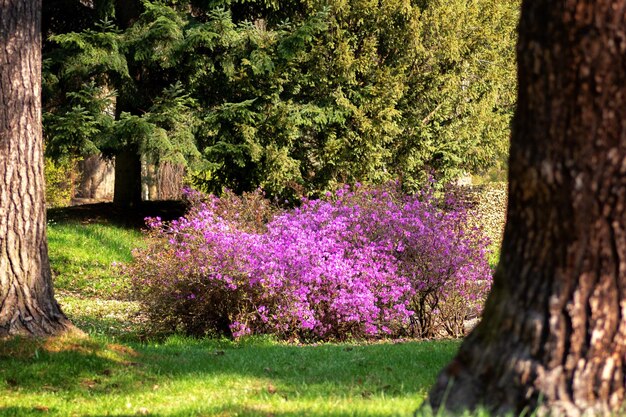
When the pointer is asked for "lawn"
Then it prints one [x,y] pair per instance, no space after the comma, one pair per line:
[113,371]
[182,377]
[84,256]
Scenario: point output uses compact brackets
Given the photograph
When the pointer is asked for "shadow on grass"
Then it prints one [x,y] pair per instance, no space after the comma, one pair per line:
[268,373]
[109,213]
[66,363]
[392,368]
[22,411]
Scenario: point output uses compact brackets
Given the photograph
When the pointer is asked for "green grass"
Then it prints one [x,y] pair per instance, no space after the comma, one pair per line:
[183,377]
[83,256]
[111,372]
[117,320]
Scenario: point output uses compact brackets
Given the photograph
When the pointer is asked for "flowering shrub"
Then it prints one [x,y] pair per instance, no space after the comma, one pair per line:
[360,263]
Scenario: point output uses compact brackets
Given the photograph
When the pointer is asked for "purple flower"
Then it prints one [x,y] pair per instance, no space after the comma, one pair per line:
[358,263]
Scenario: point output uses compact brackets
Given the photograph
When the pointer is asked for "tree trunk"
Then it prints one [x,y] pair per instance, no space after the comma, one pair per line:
[97,178]
[170,179]
[553,333]
[27,304]
[127,189]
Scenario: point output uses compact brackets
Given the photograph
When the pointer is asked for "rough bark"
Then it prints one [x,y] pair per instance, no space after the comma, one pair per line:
[97,178]
[163,181]
[170,177]
[27,304]
[127,189]
[553,333]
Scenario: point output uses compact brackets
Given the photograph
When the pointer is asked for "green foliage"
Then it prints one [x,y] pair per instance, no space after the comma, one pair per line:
[366,91]
[96,52]
[294,97]
[173,115]
[95,101]
[461,91]
[82,124]
[59,175]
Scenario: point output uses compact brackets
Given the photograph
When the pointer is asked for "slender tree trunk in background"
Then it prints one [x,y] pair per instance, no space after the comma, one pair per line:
[127,189]
[170,179]
[554,327]
[27,304]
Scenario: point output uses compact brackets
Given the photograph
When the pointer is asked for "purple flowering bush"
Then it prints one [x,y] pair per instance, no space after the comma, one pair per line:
[359,263]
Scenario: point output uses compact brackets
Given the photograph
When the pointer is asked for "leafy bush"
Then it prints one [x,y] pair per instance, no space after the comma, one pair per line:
[360,263]
[59,181]
[490,203]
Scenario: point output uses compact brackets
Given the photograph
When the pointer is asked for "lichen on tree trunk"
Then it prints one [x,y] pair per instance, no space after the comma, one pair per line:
[553,333]
[27,304]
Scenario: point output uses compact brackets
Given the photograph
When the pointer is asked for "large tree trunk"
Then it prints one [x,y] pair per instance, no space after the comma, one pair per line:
[554,327]
[27,304]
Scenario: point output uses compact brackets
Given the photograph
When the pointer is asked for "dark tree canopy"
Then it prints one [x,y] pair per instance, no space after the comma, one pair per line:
[554,327]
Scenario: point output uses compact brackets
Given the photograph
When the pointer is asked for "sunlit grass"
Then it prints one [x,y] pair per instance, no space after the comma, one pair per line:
[184,377]
[97,316]
[83,256]
[111,372]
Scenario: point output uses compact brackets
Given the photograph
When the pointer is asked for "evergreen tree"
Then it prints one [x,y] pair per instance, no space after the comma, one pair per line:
[294,97]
